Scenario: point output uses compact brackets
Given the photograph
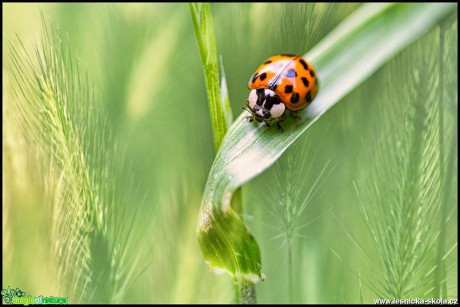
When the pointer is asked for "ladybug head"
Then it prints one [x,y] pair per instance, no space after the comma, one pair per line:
[264,104]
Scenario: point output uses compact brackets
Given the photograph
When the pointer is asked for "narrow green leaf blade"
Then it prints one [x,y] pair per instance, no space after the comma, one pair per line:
[343,60]
[219,109]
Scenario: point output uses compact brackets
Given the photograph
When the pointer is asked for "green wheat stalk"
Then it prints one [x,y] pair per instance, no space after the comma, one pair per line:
[290,200]
[407,179]
[91,228]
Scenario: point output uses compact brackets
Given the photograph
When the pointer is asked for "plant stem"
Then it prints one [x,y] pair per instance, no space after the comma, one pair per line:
[221,118]
[204,30]
[439,281]
[245,291]
[290,275]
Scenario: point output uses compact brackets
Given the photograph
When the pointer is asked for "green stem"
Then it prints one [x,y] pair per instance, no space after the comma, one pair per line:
[290,274]
[221,117]
[439,281]
[204,30]
[245,291]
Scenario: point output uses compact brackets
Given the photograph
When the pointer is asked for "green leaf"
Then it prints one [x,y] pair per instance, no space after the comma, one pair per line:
[351,53]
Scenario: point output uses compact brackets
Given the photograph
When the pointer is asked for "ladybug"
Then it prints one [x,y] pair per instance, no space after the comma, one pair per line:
[284,81]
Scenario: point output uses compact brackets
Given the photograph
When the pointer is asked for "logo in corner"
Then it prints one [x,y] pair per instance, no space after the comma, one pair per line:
[18,297]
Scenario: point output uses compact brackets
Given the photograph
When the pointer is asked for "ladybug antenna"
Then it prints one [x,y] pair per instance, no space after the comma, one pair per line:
[247,110]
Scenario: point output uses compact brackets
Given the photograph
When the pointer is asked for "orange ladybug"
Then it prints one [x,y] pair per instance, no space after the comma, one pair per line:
[284,81]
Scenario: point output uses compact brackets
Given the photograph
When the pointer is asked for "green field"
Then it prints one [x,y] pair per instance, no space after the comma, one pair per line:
[108,142]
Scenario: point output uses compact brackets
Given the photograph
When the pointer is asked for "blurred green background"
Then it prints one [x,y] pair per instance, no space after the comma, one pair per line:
[144,62]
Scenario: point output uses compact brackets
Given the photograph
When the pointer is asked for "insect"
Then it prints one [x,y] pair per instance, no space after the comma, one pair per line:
[284,81]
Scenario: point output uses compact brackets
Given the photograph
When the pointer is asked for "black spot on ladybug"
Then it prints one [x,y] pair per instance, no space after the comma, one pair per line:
[308,97]
[312,73]
[295,98]
[288,89]
[262,76]
[305,82]
[267,62]
[291,73]
[304,64]
[273,87]
[288,54]
[255,78]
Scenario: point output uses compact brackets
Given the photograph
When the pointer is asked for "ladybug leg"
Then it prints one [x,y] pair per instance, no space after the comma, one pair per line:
[280,128]
[280,119]
[249,118]
[294,115]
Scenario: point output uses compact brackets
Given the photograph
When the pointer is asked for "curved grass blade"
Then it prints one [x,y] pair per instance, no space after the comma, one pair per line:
[344,59]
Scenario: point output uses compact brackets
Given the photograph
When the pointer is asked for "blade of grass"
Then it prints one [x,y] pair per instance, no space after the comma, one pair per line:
[343,60]
[220,112]
[219,107]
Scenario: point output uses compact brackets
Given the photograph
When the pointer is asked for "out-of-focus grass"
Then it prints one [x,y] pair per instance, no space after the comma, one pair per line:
[166,136]
[65,130]
[21,194]
[330,254]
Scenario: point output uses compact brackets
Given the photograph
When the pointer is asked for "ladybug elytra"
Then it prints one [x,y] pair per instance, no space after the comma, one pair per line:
[282,82]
